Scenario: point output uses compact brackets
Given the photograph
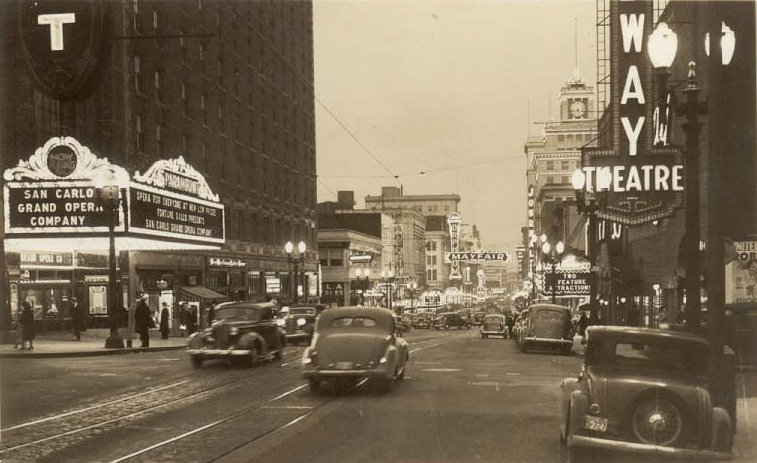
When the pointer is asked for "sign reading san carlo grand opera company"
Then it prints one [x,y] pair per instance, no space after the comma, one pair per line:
[173,200]
[642,175]
[54,191]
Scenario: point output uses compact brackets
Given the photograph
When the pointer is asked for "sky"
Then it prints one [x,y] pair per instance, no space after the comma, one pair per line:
[444,88]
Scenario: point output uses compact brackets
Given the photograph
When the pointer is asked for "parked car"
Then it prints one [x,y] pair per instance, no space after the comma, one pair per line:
[647,392]
[546,325]
[298,322]
[404,322]
[355,342]
[421,320]
[478,318]
[493,325]
[243,332]
[449,320]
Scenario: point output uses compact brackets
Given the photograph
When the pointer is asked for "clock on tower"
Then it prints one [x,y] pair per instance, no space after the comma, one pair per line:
[577,109]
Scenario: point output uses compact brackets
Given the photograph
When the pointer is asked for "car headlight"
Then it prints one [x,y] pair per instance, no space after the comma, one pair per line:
[281,322]
[301,322]
[383,360]
[233,330]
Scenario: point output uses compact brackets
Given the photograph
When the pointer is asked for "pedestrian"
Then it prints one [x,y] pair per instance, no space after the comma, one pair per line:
[142,319]
[164,321]
[77,319]
[18,330]
[191,319]
[211,315]
[27,325]
[510,320]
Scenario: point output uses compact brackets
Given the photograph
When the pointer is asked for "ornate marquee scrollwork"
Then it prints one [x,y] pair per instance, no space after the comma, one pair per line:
[88,165]
[155,176]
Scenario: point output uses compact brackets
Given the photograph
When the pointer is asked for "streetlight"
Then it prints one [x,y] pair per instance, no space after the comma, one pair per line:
[412,286]
[662,46]
[295,258]
[552,256]
[388,282]
[109,197]
[656,305]
[532,257]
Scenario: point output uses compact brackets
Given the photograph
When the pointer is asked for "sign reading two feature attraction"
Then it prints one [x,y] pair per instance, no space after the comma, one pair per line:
[569,284]
[642,175]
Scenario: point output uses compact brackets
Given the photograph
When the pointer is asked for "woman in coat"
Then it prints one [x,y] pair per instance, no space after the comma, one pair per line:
[164,321]
[27,324]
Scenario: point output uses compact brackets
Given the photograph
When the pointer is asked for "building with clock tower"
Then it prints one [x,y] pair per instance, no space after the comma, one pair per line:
[552,157]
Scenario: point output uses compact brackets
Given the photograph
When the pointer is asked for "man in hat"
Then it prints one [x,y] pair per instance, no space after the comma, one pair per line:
[142,319]
[77,318]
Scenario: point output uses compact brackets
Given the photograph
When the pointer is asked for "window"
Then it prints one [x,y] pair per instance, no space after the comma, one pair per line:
[202,59]
[565,165]
[137,75]
[204,109]
[550,165]
[159,137]
[561,138]
[157,86]
[135,14]
[140,135]
[184,146]
[183,44]
[356,322]
[220,117]
[184,100]
[565,180]
[155,20]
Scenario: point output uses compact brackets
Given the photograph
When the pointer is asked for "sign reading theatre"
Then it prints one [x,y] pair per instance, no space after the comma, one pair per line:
[173,200]
[642,175]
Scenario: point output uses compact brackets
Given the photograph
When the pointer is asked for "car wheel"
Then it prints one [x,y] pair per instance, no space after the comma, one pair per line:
[252,358]
[314,385]
[196,361]
[446,327]
[657,421]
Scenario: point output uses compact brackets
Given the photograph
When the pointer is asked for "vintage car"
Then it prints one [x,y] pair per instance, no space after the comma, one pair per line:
[493,325]
[421,320]
[449,320]
[478,318]
[298,322]
[646,392]
[352,343]
[545,325]
[404,323]
[243,332]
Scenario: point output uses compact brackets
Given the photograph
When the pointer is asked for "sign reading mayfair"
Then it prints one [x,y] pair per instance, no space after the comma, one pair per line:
[641,175]
[475,256]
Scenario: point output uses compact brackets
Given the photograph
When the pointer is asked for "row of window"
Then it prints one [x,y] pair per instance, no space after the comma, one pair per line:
[252,227]
[563,165]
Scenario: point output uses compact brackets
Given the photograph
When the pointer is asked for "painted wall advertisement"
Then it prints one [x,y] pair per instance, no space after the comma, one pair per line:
[741,273]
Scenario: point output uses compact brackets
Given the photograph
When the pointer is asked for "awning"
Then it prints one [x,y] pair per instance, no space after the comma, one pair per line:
[201,292]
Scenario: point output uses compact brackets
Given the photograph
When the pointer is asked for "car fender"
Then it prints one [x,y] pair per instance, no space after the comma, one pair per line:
[721,437]
[391,357]
[194,341]
[579,405]
[249,339]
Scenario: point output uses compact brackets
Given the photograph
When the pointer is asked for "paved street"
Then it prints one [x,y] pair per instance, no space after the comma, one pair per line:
[464,399]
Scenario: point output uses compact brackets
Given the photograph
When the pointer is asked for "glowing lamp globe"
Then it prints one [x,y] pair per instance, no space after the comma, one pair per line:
[662,46]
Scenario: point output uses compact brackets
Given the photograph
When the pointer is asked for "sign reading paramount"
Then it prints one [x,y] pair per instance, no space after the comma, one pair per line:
[642,175]
[173,200]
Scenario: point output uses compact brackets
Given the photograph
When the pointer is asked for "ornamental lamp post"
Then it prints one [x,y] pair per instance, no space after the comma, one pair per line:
[662,47]
[587,203]
[109,197]
[552,256]
[388,281]
[295,259]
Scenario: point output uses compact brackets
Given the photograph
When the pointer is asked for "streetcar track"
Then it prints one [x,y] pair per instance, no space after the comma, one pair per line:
[121,416]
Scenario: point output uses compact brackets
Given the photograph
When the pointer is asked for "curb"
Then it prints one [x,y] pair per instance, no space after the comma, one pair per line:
[94,353]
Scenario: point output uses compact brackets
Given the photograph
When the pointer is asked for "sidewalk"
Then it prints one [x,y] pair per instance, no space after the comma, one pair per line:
[61,344]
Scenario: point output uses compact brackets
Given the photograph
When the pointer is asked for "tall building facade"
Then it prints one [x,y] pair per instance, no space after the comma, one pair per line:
[428,259]
[226,85]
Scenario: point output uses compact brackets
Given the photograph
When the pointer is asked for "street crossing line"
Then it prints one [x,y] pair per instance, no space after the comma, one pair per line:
[30,423]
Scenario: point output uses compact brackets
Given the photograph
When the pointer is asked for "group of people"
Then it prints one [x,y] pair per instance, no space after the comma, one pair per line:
[25,327]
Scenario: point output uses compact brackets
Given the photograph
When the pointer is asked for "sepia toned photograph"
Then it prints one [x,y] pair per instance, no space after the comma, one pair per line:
[378,231]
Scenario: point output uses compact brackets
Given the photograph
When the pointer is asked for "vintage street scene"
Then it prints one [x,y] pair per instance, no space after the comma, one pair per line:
[368,231]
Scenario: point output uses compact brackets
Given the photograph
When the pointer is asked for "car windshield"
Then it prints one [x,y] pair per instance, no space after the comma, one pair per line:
[353,322]
[549,315]
[302,311]
[686,357]
[247,313]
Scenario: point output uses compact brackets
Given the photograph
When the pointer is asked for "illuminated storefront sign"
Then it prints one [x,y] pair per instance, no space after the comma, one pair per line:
[475,256]
[46,259]
[454,221]
[173,200]
[54,191]
[642,176]
[225,262]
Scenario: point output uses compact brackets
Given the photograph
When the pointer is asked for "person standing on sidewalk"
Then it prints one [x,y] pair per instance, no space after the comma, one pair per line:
[77,318]
[142,321]
[164,321]
[27,325]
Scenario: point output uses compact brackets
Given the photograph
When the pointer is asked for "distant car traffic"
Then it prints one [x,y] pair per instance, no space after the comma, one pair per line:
[449,320]
[493,325]
[243,332]
[478,318]
[545,325]
[298,322]
[421,320]
[646,392]
[355,342]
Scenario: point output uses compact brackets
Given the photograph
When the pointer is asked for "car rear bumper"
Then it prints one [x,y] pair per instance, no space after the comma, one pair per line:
[356,373]
[218,352]
[297,336]
[548,341]
[637,448]
[499,333]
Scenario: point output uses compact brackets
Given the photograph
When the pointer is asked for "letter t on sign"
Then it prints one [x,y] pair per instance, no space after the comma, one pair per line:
[56,22]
